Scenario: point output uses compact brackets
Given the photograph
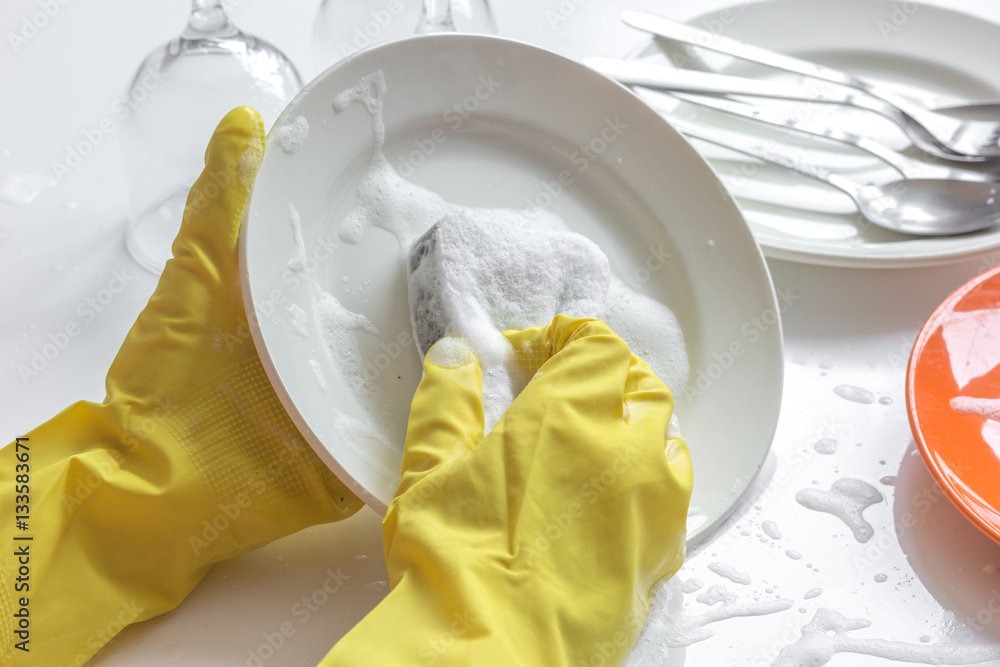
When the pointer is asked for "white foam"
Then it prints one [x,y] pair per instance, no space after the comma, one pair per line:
[451,352]
[854,394]
[691,585]
[249,160]
[826,635]
[651,331]
[729,572]
[298,320]
[298,244]
[670,625]
[317,372]
[339,328]
[847,499]
[290,137]
[825,446]
[770,529]
[983,407]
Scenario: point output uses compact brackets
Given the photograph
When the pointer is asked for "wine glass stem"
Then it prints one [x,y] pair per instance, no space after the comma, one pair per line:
[208,18]
[436,17]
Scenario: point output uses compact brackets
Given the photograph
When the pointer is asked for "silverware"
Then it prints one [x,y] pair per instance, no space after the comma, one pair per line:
[918,206]
[637,73]
[933,132]
[905,165]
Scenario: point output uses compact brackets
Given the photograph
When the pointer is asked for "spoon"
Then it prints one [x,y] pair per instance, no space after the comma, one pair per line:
[918,206]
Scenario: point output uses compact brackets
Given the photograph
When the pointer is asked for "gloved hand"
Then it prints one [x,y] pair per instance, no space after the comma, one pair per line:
[190,459]
[537,544]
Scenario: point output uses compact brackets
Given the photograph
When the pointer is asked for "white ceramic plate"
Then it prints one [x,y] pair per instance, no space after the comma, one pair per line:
[935,55]
[647,191]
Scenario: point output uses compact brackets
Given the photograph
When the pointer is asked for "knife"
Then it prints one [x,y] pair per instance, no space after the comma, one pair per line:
[638,73]
[680,32]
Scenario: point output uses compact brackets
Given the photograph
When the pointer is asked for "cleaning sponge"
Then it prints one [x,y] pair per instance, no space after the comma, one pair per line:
[478,272]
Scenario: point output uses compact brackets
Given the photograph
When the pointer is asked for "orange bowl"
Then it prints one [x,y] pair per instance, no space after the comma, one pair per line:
[953,398]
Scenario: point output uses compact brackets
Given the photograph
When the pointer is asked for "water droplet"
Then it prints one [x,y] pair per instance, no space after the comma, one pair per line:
[888,480]
[880,578]
[885,400]
[794,555]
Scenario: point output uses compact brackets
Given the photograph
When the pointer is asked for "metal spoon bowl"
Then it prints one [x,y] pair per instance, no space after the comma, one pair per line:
[928,206]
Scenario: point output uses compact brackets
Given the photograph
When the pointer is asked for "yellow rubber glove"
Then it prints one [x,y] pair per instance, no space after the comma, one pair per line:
[538,544]
[190,459]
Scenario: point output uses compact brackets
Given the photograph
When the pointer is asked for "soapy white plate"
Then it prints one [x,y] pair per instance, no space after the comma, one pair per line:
[937,56]
[484,121]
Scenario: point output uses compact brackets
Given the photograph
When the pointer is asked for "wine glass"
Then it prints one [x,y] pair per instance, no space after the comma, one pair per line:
[344,27]
[178,95]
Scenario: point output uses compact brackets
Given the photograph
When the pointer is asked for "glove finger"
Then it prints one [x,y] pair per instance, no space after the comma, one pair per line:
[570,353]
[446,416]
[217,200]
[646,398]
[649,405]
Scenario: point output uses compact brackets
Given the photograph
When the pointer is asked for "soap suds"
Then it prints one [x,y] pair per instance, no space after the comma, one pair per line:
[847,499]
[854,394]
[317,372]
[671,626]
[339,328]
[729,572]
[691,585]
[826,635]
[298,244]
[982,407]
[290,137]
[825,446]
[249,160]
[451,352]
[298,320]
[770,529]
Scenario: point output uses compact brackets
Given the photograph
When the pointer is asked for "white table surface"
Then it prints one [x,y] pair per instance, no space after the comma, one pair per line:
[846,327]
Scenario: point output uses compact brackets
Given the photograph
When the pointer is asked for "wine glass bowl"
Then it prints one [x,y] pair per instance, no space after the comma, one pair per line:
[209,69]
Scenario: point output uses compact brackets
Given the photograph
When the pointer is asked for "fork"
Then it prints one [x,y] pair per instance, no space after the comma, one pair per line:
[933,132]
[904,164]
